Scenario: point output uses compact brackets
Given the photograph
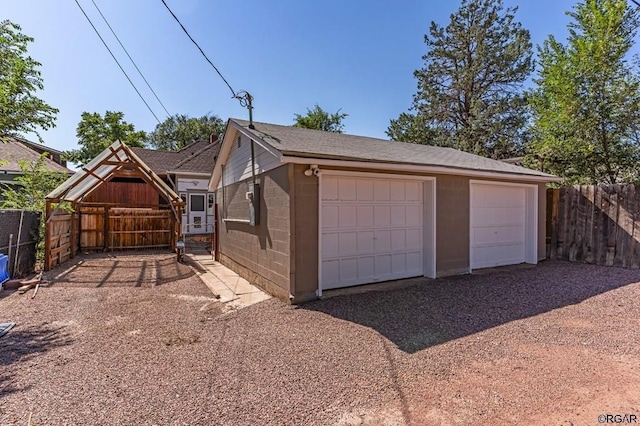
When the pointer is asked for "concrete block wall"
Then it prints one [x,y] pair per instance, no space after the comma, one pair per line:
[259,253]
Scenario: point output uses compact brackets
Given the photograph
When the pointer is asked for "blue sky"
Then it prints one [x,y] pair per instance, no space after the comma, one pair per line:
[289,54]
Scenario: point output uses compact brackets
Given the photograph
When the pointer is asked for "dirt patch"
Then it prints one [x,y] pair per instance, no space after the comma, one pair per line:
[555,345]
[119,269]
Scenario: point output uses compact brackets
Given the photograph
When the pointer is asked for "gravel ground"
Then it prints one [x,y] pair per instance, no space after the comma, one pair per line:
[556,345]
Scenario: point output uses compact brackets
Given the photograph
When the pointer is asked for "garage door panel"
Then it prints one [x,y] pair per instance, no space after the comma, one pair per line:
[496,235]
[365,216]
[330,216]
[383,265]
[347,190]
[413,191]
[382,215]
[372,231]
[397,191]
[366,242]
[398,215]
[499,255]
[365,190]
[347,216]
[329,189]
[381,190]
[382,240]
[498,225]
[348,244]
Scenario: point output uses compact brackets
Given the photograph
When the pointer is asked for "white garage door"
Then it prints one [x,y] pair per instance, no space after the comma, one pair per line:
[498,225]
[371,230]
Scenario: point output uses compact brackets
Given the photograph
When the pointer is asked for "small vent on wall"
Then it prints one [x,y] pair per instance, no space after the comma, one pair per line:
[239,141]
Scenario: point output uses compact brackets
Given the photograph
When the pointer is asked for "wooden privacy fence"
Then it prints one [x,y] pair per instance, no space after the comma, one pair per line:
[124,228]
[104,228]
[132,228]
[594,224]
[60,238]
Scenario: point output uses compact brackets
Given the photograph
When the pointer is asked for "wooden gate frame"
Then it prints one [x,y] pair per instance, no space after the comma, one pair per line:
[117,160]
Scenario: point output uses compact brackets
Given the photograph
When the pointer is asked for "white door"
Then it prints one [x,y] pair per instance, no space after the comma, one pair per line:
[498,225]
[197,214]
[371,230]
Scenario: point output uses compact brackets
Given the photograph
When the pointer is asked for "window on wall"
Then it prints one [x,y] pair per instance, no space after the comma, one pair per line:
[211,200]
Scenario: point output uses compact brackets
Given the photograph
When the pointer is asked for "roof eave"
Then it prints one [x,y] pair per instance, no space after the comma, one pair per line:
[418,168]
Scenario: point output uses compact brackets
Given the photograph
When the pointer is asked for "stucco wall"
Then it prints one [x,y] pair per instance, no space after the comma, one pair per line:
[304,234]
[259,253]
[452,225]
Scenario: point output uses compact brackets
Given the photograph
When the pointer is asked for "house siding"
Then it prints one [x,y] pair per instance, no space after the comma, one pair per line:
[261,253]
[238,167]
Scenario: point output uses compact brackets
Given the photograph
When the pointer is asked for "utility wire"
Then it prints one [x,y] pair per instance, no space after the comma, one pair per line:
[130,58]
[199,48]
[115,59]
[636,3]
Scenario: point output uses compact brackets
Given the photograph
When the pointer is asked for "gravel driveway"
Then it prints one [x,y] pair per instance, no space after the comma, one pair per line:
[557,344]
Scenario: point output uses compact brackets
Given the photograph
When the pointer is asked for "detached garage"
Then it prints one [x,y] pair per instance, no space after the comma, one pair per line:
[304,211]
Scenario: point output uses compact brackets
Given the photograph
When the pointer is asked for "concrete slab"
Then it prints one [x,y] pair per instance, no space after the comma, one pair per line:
[231,289]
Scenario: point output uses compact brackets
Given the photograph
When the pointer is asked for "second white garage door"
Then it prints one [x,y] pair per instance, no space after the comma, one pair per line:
[371,230]
[500,231]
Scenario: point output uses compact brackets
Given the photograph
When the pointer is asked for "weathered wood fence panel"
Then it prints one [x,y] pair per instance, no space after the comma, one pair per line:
[132,228]
[61,241]
[594,224]
[92,228]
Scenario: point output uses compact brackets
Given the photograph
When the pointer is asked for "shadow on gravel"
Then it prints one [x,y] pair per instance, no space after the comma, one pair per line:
[25,344]
[119,270]
[432,312]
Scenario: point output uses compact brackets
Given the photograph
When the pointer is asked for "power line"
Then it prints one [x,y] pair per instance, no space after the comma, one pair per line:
[115,59]
[130,58]
[199,48]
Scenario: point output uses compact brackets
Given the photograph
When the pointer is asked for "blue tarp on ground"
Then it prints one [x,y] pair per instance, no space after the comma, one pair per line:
[4,270]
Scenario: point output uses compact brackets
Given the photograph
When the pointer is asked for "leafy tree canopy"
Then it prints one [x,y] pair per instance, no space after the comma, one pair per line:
[470,93]
[20,109]
[33,186]
[586,108]
[319,119]
[179,130]
[95,133]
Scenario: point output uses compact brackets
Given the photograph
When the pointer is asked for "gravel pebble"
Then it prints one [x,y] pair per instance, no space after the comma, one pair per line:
[136,339]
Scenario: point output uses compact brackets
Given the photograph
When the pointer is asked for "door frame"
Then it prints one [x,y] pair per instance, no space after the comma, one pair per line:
[428,221]
[530,223]
[203,224]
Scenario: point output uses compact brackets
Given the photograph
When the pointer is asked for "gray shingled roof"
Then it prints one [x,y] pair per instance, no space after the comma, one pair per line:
[299,142]
[158,161]
[197,157]
[12,151]
[201,161]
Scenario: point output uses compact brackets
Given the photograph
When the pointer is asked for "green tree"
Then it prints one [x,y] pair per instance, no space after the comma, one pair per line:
[95,133]
[319,119]
[180,130]
[32,187]
[20,109]
[586,107]
[470,91]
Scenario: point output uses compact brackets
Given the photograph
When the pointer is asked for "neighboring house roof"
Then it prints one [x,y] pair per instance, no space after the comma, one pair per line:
[13,150]
[197,157]
[299,145]
[201,161]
